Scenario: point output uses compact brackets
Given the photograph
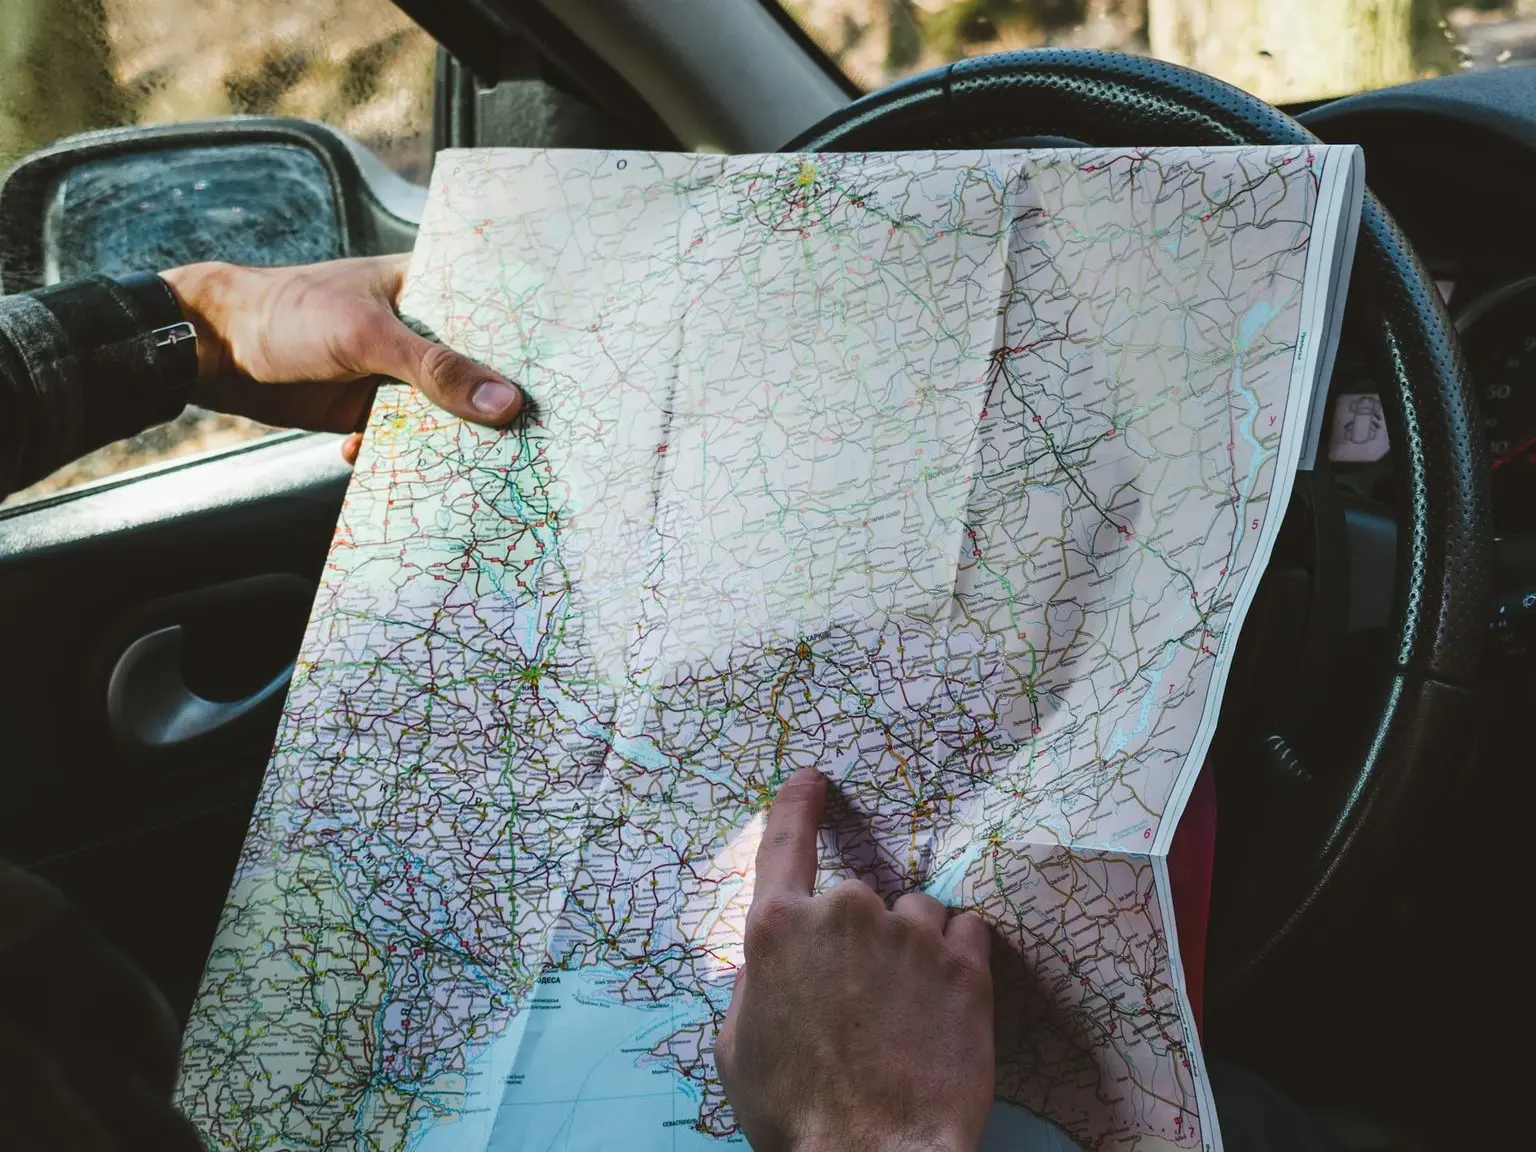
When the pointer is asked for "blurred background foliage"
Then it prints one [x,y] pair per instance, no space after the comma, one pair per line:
[70,65]
[1281,50]
[67,66]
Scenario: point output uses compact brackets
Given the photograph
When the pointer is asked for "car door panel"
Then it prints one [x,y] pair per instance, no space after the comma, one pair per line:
[144,839]
[142,834]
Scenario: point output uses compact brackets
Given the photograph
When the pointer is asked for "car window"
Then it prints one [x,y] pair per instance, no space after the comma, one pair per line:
[68,66]
[1281,50]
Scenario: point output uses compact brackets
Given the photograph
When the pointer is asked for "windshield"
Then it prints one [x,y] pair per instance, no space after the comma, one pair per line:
[1285,51]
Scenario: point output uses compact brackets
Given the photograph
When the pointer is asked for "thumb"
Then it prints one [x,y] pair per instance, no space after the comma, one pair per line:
[454,383]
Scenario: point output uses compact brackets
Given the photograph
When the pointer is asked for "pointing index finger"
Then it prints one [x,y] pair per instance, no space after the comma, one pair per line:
[786,858]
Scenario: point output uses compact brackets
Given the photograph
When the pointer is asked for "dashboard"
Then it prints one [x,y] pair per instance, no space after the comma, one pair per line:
[1454,160]
[1498,331]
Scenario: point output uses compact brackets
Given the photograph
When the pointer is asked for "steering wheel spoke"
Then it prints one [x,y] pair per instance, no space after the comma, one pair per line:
[1370,534]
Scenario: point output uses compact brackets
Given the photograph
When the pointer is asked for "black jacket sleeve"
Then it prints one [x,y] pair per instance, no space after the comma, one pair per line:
[79,368]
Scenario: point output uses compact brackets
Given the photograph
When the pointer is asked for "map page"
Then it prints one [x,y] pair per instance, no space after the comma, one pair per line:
[950,474]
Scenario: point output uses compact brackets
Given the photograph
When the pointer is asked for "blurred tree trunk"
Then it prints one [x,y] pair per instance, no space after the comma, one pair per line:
[1291,49]
[904,43]
[55,73]
[892,27]
[872,39]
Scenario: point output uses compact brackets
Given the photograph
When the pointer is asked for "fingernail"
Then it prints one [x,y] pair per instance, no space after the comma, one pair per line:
[493,397]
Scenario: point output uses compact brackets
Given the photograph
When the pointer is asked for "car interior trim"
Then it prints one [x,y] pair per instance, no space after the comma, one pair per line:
[306,464]
[724,74]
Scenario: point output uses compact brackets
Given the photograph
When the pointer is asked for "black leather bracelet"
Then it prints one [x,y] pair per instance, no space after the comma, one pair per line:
[175,339]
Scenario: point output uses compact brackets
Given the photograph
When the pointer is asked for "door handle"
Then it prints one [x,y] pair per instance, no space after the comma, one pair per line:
[150,706]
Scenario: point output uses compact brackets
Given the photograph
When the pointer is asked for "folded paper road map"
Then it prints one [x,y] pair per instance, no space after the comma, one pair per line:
[952,474]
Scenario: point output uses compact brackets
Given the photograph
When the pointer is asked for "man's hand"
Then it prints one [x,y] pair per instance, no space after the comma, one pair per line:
[853,1028]
[304,347]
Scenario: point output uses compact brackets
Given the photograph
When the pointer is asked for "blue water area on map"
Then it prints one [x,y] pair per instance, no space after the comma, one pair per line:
[580,1080]
[1014,1129]
[944,882]
[575,1078]
[1253,321]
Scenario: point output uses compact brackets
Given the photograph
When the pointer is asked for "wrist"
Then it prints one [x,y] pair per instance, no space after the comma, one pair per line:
[200,290]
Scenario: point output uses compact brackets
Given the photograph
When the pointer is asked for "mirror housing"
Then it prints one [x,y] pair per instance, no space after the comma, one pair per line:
[260,191]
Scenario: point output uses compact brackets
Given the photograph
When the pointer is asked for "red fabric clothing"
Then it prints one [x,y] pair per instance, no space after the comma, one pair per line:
[1191,862]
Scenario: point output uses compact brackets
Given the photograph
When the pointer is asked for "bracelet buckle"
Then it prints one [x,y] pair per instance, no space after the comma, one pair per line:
[173,334]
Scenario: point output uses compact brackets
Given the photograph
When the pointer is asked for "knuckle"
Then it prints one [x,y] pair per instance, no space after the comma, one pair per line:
[780,839]
[769,921]
[854,898]
[968,972]
[441,365]
[973,919]
[971,930]
[919,904]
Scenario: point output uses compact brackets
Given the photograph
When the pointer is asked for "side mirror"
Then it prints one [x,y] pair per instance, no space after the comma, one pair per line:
[260,191]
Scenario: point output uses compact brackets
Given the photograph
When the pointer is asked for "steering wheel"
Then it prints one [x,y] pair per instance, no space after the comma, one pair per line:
[1299,852]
